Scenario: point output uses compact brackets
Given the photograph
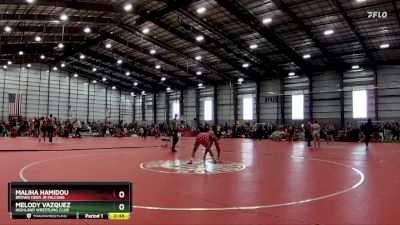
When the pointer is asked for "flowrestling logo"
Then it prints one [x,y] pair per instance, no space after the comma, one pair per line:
[198,167]
[377,14]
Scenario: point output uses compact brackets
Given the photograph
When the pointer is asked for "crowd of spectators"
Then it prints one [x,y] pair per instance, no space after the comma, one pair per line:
[75,128]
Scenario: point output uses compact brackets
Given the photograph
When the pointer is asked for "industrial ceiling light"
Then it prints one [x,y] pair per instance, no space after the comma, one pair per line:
[127,73]
[143,93]
[7,29]
[199,38]
[94,69]
[135,84]
[119,61]
[152,51]
[132,94]
[306,56]
[163,78]
[62,65]
[200,85]
[104,79]
[291,74]
[29,1]
[198,58]
[168,89]
[240,80]
[146,30]
[201,10]
[108,45]
[75,75]
[42,57]
[87,30]
[386,45]
[253,46]
[245,65]
[63,17]
[199,73]
[20,53]
[82,56]
[113,87]
[355,67]
[38,38]
[29,65]
[128,7]
[9,62]
[95,81]
[328,32]
[55,68]
[361,0]
[158,67]
[4,67]
[60,45]
[266,20]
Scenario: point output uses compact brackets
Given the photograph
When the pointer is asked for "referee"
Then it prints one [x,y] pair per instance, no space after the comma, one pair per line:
[174,131]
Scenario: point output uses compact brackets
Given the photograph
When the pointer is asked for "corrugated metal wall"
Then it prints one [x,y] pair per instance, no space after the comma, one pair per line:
[326,97]
[161,107]
[46,90]
[270,107]
[189,104]
[225,104]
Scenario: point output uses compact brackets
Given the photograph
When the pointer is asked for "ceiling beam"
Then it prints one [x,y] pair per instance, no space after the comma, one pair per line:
[162,59]
[246,17]
[46,38]
[284,8]
[232,46]
[133,64]
[103,60]
[355,31]
[31,48]
[77,5]
[171,6]
[90,76]
[53,29]
[202,45]
[172,49]
[98,75]
[52,20]
[127,66]
[70,51]
[397,12]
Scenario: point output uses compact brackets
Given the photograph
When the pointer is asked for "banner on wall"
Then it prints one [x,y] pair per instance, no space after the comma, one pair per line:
[14,104]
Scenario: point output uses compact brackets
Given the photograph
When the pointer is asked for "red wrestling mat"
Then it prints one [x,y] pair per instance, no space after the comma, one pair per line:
[258,182]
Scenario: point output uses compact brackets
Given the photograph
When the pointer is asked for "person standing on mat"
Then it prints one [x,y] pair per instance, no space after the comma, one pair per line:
[368,129]
[316,129]
[206,139]
[174,132]
[308,134]
[52,122]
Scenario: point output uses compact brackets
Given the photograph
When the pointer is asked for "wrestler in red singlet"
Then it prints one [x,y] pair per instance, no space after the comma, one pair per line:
[206,139]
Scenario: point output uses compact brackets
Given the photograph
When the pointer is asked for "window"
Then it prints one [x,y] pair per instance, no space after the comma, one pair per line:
[175,109]
[208,110]
[360,104]
[247,108]
[297,107]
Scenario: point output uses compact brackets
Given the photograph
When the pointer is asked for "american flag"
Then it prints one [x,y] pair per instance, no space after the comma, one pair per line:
[14,104]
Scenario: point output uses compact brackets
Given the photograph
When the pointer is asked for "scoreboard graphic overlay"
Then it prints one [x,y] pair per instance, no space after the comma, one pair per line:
[66,200]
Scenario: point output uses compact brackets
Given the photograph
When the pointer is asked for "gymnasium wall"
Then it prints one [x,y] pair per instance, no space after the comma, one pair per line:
[64,96]
[59,93]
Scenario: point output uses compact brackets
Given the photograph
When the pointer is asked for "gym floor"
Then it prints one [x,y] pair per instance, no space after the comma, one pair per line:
[257,182]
